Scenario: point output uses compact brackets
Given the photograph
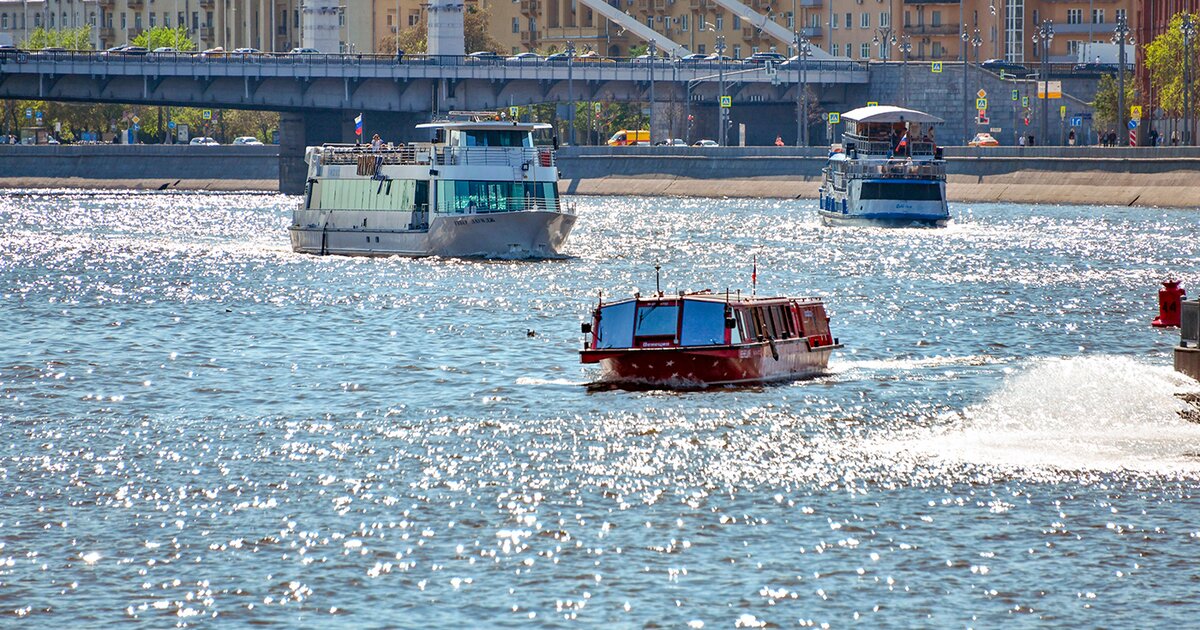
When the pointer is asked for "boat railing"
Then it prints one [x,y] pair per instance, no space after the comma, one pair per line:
[445,156]
[891,169]
[496,156]
[507,204]
[917,148]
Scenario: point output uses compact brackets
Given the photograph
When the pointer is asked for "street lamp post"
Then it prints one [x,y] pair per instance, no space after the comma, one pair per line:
[653,50]
[571,91]
[905,47]
[1189,31]
[1121,34]
[976,42]
[1042,38]
[884,40]
[720,89]
[803,50]
[966,96]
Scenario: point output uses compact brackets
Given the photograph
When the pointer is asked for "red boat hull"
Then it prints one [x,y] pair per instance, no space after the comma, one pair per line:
[710,365]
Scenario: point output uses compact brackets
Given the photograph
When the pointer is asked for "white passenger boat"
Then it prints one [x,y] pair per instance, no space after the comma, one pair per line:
[888,171]
[479,188]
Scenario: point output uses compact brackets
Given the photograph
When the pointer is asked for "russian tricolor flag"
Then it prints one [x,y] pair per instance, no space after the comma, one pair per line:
[358,125]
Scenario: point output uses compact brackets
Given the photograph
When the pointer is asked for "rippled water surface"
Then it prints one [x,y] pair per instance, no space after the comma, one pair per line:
[197,426]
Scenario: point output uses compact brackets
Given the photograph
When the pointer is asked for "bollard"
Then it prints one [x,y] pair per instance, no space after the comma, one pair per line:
[1168,305]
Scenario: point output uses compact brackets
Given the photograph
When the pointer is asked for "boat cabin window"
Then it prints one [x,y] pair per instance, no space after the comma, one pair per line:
[490,138]
[615,328]
[703,323]
[478,197]
[657,319]
[767,322]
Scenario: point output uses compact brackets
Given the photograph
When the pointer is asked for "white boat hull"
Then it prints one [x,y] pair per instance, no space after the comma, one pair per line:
[526,234]
[847,207]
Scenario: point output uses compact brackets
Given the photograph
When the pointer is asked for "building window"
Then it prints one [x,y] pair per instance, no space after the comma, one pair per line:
[885,19]
[1074,16]
[51,19]
[295,18]
[167,20]
[532,25]
[864,20]
[124,21]
[833,20]
[936,19]
[516,25]
[650,21]
[1074,46]
[907,19]
[1036,21]
[196,19]
[791,19]
[938,50]
[1097,16]
[683,22]
[137,21]
[414,18]
[4,21]
[834,49]
[1121,15]
[864,51]
[754,50]
[849,21]
[737,22]
[92,19]
[720,23]
[700,49]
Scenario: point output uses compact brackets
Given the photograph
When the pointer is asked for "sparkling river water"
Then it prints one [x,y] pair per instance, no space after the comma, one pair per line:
[199,427]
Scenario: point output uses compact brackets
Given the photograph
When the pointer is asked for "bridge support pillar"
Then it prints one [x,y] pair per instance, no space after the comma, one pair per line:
[292,142]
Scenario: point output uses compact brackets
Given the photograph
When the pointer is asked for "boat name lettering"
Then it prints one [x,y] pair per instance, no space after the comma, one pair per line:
[476,220]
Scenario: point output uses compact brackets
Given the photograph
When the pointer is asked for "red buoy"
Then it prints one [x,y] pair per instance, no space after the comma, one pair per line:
[1169,298]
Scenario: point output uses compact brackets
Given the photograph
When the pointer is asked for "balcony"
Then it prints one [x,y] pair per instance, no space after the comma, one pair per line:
[660,5]
[929,29]
[206,33]
[136,5]
[529,7]
[810,4]
[208,5]
[748,33]
[811,31]
[107,33]
[529,38]
[107,5]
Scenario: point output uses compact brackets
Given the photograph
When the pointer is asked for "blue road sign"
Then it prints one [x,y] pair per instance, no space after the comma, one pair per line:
[29,113]
[1133,124]
[171,124]
[1077,121]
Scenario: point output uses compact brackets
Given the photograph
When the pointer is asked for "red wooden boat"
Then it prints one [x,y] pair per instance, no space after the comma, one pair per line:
[703,339]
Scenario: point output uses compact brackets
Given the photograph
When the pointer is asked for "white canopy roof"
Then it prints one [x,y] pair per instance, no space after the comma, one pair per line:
[889,114]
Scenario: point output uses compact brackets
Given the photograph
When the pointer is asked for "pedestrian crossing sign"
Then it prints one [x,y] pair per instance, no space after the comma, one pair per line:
[1016,94]
[981,103]
[726,102]
[835,118]
[1024,101]
[206,114]
[937,67]
[872,103]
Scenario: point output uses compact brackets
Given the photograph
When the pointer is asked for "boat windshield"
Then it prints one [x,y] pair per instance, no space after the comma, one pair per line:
[491,138]
[703,323]
[615,328]
[657,320]
[471,197]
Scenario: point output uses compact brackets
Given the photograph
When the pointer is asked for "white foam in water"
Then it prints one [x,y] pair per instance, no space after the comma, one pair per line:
[1099,413]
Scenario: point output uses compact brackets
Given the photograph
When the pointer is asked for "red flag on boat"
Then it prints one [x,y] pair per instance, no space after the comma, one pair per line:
[754,274]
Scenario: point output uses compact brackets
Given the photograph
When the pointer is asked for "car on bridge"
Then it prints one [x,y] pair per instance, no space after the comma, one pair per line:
[247,141]
[558,57]
[484,55]
[214,52]
[694,58]
[592,56]
[761,58]
[244,52]
[706,143]
[204,141]
[304,51]
[526,57]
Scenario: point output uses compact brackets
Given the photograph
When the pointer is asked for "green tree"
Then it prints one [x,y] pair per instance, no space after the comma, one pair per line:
[1164,61]
[476,37]
[163,37]
[68,38]
[1104,106]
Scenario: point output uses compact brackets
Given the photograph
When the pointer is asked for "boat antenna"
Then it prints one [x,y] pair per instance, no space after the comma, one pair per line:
[657,287]
[754,277]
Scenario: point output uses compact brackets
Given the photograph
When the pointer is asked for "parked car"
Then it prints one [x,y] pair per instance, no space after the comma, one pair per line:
[214,52]
[525,57]
[760,58]
[706,143]
[671,142]
[204,141]
[304,51]
[558,57]
[694,58]
[483,55]
[165,50]
[642,59]
[1095,68]
[983,140]
[716,57]
[1008,67]
[244,52]
[592,56]
[8,51]
[247,140]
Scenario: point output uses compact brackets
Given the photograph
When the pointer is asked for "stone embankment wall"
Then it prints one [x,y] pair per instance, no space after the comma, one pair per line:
[1168,177]
[140,167]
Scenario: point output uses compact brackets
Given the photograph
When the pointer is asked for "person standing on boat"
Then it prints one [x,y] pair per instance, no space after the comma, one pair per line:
[376,143]
[778,141]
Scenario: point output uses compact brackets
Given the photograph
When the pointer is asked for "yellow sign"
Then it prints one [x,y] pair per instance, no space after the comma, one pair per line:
[981,93]
[596,106]
[514,111]
[1055,88]
[1135,112]
[835,118]
[206,114]
[936,68]
[981,103]
[726,102]
[136,120]
[872,103]
[1062,112]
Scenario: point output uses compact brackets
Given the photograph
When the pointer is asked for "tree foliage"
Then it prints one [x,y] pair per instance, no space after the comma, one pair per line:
[164,37]
[1104,106]
[476,37]
[68,38]
[1164,59]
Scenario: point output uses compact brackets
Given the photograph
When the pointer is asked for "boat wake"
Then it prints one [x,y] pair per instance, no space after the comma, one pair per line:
[1102,413]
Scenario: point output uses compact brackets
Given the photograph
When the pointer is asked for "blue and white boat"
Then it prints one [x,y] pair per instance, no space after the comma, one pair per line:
[887,171]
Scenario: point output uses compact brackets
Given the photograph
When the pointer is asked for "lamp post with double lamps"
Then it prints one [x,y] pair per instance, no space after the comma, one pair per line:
[1121,35]
[905,47]
[977,41]
[652,49]
[803,50]
[1188,29]
[884,40]
[1042,38]
[571,91]
[720,89]
[966,95]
